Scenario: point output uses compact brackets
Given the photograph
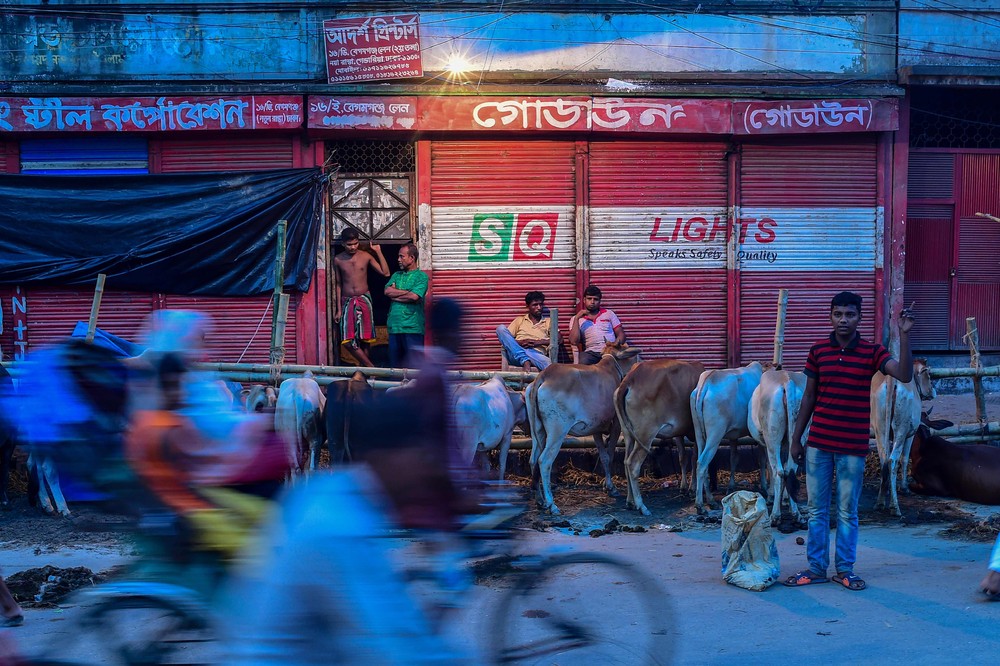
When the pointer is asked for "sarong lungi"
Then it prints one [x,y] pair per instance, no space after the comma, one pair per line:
[356,321]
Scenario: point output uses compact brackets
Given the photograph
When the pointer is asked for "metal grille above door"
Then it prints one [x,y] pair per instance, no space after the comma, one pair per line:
[378,207]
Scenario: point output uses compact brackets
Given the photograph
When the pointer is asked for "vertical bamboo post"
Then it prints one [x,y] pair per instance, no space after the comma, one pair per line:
[95,307]
[278,340]
[554,335]
[279,281]
[972,337]
[779,327]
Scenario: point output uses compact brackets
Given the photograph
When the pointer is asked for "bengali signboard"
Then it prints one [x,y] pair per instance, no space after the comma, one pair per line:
[372,49]
[138,114]
[599,114]
[815,116]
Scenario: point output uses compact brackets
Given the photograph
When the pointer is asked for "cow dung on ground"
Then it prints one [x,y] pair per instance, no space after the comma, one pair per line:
[46,586]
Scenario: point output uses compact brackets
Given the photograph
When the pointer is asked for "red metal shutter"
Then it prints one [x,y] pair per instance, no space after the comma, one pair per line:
[930,236]
[53,313]
[9,158]
[978,287]
[240,327]
[813,227]
[257,154]
[503,221]
[658,234]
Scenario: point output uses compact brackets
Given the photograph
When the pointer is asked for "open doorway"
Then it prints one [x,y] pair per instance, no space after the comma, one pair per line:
[370,193]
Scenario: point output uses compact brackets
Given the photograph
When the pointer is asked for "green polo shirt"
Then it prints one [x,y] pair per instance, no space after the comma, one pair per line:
[408,317]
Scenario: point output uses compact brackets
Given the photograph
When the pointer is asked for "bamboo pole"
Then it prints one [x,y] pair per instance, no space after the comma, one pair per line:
[779,327]
[380,373]
[972,337]
[95,307]
[554,335]
[988,216]
[266,377]
[279,281]
[983,371]
[969,429]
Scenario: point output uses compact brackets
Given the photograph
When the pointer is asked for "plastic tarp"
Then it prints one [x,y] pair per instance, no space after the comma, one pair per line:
[210,234]
[749,553]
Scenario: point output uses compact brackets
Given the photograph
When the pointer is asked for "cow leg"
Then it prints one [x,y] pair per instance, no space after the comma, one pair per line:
[49,492]
[764,465]
[635,455]
[904,467]
[546,459]
[504,452]
[605,450]
[682,460]
[734,461]
[702,496]
[897,450]
[883,485]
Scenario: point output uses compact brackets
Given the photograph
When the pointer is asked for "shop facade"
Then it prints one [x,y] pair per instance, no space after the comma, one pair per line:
[690,215]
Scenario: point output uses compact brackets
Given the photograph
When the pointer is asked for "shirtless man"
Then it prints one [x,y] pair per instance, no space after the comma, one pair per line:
[354,313]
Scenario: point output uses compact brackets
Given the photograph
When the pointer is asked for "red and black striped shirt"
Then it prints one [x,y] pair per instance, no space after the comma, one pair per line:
[842,414]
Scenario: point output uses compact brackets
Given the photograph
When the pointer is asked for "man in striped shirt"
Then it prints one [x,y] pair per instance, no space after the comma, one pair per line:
[837,398]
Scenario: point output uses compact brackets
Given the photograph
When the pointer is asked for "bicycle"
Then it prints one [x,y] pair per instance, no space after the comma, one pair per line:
[556,605]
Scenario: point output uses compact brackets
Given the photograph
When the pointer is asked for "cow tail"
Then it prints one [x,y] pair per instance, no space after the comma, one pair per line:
[890,408]
[535,424]
[786,444]
[698,416]
[620,394]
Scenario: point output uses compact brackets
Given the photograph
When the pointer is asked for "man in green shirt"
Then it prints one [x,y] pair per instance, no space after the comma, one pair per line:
[407,289]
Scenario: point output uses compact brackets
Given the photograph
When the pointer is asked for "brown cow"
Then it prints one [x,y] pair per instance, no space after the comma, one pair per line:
[571,399]
[342,400]
[969,472]
[654,400]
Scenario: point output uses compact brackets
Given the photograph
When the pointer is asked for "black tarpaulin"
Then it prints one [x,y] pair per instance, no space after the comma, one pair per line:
[210,234]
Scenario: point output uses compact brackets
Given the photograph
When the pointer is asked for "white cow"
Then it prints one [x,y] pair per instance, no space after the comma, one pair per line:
[895,417]
[575,400]
[720,406]
[485,416]
[258,397]
[298,418]
[774,407]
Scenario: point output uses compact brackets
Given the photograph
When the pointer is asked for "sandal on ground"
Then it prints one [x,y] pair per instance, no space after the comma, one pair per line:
[991,596]
[850,581]
[15,621]
[805,577]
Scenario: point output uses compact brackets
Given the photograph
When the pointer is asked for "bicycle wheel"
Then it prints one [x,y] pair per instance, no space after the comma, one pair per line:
[142,630]
[583,608]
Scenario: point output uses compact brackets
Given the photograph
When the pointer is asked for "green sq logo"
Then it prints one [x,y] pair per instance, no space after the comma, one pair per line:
[491,234]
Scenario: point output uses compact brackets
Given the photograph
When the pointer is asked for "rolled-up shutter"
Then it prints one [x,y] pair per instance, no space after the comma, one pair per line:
[241,326]
[658,234]
[502,224]
[86,155]
[813,226]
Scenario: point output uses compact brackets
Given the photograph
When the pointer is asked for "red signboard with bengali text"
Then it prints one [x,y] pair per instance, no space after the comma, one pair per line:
[149,114]
[815,116]
[375,48]
[601,114]
[532,114]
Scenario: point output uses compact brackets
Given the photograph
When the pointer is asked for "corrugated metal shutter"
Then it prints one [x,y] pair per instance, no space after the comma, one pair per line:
[978,284]
[86,155]
[502,224]
[257,154]
[53,313]
[6,323]
[9,158]
[240,327]
[813,227]
[658,233]
[930,243]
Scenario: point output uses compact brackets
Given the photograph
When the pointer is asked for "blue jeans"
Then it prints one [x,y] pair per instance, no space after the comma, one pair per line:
[517,354]
[401,345]
[820,466]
